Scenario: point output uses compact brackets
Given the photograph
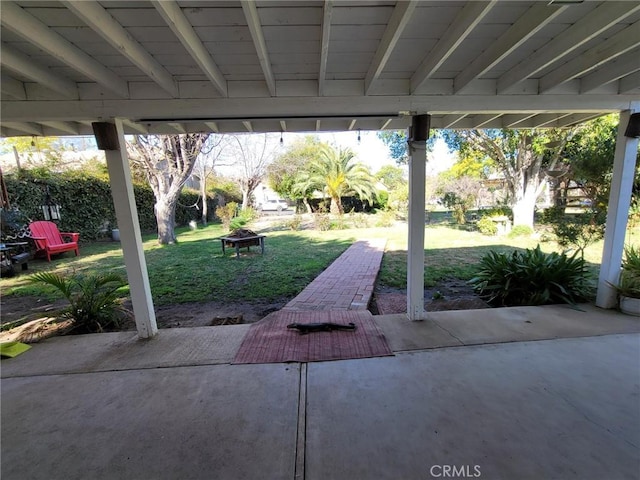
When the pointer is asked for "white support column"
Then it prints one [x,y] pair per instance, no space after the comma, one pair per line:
[617,214]
[130,236]
[415,251]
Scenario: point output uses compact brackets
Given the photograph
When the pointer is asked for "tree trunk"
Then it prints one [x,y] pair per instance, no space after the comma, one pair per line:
[205,206]
[336,206]
[524,205]
[166,218]
[307,205]
[245,198]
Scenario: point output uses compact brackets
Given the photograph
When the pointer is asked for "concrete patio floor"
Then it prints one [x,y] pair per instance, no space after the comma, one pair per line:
[531,392]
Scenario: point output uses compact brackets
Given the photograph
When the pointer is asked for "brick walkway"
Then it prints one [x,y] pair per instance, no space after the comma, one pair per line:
[347,284]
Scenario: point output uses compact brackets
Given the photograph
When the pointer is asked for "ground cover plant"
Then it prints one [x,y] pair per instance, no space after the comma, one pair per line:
[532,277]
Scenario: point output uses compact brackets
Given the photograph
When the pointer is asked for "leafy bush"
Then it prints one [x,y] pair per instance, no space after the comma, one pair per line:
[385,219]
[295,223]
[629,284]
[532,278]
[226,212]
[85,201]
[338,223]
[551,215]
[322,221]
[486,226]
[237,222]
[521,231]
[94,300]
[497,212]
[359,219]
[579,231]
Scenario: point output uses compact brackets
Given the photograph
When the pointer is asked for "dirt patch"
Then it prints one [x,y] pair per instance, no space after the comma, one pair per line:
[449,295]
[15,308]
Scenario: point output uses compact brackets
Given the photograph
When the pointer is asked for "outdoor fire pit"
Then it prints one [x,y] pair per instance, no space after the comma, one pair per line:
[242,238]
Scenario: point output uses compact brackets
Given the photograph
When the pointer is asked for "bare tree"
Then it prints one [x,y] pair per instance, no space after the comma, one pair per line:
[204,167]
[167,161]
[252,155]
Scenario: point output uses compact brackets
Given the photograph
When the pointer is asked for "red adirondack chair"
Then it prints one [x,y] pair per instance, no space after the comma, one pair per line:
[49,240]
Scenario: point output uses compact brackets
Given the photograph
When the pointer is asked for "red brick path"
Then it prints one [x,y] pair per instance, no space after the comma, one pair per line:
[347,284]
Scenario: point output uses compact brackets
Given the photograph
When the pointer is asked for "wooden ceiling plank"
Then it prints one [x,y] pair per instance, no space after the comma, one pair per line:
[12,87]
[34,31]
[327,11]
[213,126]
[616,45]
[182,28]
[66,127]
[464,23]
[629,83]
[620,67]
[531,22]
[138,127]
[586,29]
[29,128]
[253,22]
[399,19]
[101,22]
[24,65]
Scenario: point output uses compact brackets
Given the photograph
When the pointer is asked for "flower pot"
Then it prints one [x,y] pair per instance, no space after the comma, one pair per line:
[630,306]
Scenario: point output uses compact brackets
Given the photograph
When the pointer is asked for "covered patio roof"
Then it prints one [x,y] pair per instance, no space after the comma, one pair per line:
[283,66]
[255,66]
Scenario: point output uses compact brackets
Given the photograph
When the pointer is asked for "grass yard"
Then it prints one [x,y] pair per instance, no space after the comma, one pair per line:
[194,270]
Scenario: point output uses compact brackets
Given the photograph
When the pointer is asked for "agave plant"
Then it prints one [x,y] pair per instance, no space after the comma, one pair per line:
[94,303]
[532,277]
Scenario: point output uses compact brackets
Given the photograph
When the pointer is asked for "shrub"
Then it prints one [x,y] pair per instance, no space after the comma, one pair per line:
[497,212]
[629,284]
[226,212]
[295,223]
[531,278]
[486,226]
[521,231]
[322,221]
[359,220]
[94,304]
[237,222]
[579,231]
[385,219]
[552,215]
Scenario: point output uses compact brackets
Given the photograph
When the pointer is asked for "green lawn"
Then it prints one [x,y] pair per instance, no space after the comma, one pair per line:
[194,270]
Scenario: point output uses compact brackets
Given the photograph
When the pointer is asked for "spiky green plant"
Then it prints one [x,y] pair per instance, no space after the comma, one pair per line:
[629,284]
[532,277]
[94,303]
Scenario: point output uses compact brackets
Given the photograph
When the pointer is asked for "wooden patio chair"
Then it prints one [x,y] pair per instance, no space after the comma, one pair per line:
[49,240]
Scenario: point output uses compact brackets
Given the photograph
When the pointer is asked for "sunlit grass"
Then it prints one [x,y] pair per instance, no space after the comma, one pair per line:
[194,270]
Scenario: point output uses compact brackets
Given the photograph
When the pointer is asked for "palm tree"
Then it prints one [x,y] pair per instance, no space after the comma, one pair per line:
[338,175]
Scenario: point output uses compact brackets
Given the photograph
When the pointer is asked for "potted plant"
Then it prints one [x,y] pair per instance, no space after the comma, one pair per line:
[629,283]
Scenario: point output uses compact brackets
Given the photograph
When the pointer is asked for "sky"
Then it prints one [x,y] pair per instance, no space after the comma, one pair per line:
[373,152]
[370,150]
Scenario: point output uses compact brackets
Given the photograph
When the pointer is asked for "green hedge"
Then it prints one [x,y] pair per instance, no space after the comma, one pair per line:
[85,201]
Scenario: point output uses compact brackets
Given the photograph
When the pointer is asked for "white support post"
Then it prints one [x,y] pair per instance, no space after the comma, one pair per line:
[415,251]
[619,202]
[130,236]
